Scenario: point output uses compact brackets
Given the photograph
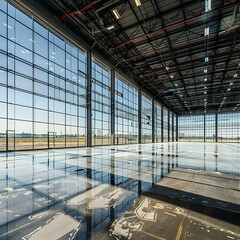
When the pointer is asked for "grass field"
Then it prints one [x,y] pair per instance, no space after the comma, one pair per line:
[42,143]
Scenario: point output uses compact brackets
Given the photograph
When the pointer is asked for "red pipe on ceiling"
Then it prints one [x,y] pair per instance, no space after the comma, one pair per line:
[174,45]
[66,15]
[171,26]
[216,57]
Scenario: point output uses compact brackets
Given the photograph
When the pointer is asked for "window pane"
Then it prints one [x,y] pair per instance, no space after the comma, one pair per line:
[23,36]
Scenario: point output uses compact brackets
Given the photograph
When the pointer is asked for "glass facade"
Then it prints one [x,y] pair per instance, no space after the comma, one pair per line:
[101,104]
[210,125]
[220,127]
[175,128]
[146,119]
[229,127]
[158,122]
[191,128]
[165,124]
[42,86]
[126,112]
[43,92]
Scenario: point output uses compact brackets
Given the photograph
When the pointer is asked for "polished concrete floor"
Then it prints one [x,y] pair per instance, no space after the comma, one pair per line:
[146,191]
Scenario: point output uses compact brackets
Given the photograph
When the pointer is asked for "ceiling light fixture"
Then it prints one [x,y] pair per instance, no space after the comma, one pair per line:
[110,27]
[116,14]
[171,76]
[205,79]
[138,3]
[167,68]
[206,59]
[208,5]
[235,75]
[206,31]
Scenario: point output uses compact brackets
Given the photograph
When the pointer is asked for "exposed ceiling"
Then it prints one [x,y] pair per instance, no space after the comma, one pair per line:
[166,47]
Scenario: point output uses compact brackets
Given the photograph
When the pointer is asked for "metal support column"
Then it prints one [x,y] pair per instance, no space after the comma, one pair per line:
[172,128]
[89,99]
[216,127]
[168,126]
[176,129]
[204,127]
[139,116]
[162,131]
[153,121]
[112,107]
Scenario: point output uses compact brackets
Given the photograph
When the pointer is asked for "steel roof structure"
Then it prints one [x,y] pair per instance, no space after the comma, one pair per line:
[185,53]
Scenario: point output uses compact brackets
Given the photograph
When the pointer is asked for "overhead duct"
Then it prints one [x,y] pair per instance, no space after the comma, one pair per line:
[111,3]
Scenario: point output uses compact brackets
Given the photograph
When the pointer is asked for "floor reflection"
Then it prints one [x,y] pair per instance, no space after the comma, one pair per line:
[121,192]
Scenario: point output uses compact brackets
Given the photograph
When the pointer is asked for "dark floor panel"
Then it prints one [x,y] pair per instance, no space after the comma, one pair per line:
[215,190]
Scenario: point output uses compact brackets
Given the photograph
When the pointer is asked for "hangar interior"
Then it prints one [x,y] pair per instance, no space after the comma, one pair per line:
[119,119]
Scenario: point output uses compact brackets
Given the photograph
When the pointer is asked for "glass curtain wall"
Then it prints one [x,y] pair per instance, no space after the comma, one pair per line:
[146,119]
[126,112]
[183,125]
[43,92]
[158,122]
[165,124]
[191,128]
[174,128]
[42,85]
[229,127]
[101,104]
[210,124]
[198,128]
